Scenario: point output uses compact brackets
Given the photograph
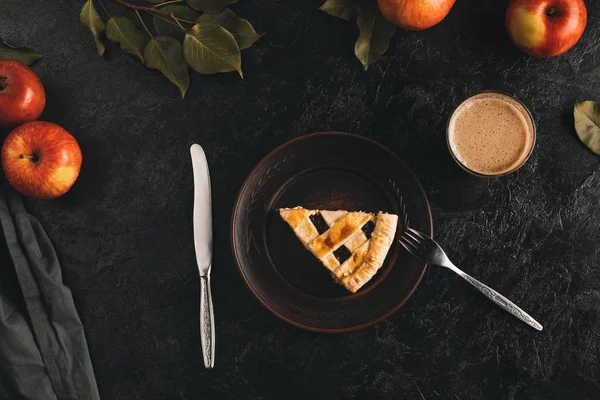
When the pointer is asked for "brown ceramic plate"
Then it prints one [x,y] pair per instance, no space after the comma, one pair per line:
[327,171]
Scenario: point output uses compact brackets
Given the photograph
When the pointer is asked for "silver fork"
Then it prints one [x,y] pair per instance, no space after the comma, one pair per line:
[425,248]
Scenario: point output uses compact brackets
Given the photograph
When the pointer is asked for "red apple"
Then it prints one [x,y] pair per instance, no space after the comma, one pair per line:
[22,96]
[415,15]
[545,28]
[41,159]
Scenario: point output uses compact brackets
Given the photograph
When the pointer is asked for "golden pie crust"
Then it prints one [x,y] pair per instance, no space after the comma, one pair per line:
[345,229]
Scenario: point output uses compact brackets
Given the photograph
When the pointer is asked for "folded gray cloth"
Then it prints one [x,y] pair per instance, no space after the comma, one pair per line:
[43,350]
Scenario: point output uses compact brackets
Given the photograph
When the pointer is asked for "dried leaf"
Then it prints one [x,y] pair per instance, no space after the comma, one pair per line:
[165,26]
[90,17]
[210,6]
[587,124]
[210,49]
[344,9]
[375,35]
[124,31]
[22,54]
[166,55]
[241,29]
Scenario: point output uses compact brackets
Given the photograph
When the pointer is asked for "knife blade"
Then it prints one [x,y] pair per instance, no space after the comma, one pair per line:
[203,244]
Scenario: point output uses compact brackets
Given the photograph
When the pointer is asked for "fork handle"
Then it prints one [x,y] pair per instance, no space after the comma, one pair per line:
[500,300]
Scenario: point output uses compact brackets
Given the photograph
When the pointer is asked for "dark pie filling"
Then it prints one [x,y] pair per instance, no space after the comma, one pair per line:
[368,229]
[319,223]
[342,254]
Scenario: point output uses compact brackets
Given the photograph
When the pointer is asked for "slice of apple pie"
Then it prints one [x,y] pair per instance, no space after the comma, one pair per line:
[352,245]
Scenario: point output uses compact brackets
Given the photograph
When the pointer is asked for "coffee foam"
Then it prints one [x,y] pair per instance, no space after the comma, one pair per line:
[491,134]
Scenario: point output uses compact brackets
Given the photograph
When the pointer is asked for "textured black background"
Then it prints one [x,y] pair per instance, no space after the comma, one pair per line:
[124,232]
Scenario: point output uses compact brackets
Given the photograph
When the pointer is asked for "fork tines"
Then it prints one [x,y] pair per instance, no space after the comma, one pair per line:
[411,240]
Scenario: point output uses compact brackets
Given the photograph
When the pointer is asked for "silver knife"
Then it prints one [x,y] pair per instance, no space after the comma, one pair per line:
[203,242]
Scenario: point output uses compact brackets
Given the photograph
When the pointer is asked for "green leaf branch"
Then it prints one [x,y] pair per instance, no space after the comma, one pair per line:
[375,31]
[587,124]
[201,34]
[22,54]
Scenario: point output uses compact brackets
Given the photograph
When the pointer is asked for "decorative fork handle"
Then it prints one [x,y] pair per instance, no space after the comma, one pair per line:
[207,323]
[500,300]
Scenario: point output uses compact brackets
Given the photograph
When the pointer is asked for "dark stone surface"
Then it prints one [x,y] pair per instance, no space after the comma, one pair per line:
[124,232]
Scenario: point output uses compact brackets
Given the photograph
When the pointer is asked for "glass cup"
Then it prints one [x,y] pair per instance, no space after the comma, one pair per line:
[518,108]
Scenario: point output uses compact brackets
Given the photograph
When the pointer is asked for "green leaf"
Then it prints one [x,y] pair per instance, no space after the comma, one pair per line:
[210,49]
[210,6]
[241,29]
[165,26]
[587,124]
[375,35]
[166,55]
[90,17]
[344,9]
[123,31]
[22,54]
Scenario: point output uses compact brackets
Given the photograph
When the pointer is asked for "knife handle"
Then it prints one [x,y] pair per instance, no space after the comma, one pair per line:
[207,323]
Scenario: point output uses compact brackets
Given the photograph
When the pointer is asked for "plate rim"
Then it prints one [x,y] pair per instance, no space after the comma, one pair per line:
[235,213]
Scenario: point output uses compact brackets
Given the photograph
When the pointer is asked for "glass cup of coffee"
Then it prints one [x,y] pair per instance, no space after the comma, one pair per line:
[491,134]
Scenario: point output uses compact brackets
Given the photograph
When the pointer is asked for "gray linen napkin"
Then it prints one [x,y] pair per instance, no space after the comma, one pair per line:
[43,350]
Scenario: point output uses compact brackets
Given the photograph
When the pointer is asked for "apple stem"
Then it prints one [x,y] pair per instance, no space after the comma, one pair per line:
[550,12]
[33,158]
